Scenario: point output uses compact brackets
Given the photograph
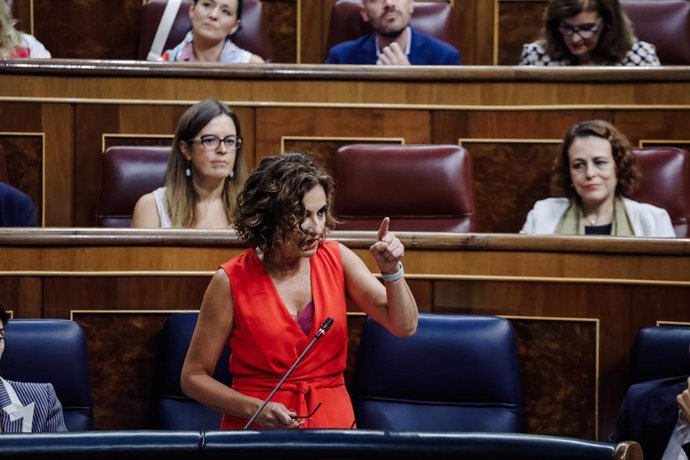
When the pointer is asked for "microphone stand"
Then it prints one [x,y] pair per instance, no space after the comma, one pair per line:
[322,330]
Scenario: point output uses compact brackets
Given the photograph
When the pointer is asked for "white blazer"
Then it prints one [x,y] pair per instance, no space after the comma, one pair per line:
[36,48]
[646,220]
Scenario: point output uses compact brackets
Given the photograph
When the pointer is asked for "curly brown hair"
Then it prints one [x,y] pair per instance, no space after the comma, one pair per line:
[616,38]
[626,163]
[269,207]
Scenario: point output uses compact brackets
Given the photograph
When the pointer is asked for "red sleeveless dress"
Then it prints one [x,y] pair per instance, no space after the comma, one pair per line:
[266,341]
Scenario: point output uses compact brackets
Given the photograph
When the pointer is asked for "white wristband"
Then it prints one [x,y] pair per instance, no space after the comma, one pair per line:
[390,277]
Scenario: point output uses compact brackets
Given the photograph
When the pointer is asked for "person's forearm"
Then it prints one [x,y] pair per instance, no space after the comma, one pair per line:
[402,308]
[218,396]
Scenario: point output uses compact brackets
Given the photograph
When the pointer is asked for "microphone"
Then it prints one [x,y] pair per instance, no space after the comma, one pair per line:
[322,330]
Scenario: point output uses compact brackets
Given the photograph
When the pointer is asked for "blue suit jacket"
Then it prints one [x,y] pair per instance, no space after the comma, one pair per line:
[47,415]
[424,50]
[649,414]
[16,208]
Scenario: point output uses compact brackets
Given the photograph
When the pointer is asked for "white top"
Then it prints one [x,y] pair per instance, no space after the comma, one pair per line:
[161,205]
[231,53]
[646,220]
[679,436]
[36,48]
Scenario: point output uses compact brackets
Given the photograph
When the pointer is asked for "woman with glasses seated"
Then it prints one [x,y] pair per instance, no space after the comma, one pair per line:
[205,172]
[593,171]
[268,303]
[587,32]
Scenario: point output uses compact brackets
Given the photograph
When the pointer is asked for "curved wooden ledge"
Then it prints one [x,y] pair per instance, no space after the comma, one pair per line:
[69,67]
[37,237]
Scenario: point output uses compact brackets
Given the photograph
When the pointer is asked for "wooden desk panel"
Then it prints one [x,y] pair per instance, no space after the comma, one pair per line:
[511,118]
[576,303]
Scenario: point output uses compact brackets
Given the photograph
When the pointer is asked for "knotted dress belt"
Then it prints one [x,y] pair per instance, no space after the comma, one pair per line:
[303,388]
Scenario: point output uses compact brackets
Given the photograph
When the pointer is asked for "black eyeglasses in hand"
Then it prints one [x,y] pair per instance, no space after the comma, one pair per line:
[306,417]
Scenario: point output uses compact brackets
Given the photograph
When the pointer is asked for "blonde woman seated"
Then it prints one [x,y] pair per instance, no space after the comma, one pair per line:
[205,172]
[15,44]
[594,169]
[587,32]
[213,22]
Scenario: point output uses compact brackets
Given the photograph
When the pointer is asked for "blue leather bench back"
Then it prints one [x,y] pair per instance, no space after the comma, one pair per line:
[457,373]
[174,410]
[52,351]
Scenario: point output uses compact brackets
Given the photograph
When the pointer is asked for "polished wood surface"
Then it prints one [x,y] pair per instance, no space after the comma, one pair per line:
[59,115]
[519,22]
[575,303]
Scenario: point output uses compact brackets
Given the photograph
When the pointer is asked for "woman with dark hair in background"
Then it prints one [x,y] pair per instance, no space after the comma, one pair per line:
[205,172]
[268,303]
[594,170]
[213,23]
[587,32]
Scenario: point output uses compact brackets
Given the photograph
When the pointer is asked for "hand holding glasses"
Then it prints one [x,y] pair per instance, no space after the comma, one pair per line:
[212,142]
[302,418]
[308,416]
[583,30]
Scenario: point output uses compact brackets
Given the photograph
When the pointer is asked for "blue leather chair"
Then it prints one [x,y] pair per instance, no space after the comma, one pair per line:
[660,353]
[457,373]
[52,351]
[174,410]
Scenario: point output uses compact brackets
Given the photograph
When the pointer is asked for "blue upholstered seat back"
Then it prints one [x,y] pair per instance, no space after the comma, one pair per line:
[52,351]
[659,353]
[174,410]
[457,373]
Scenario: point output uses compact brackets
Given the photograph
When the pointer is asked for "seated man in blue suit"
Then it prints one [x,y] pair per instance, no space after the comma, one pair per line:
[656,413]
[393,42]
[27,407]
[16,208]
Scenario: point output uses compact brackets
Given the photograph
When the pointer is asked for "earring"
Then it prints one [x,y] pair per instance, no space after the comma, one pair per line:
[188,171]
[232,174]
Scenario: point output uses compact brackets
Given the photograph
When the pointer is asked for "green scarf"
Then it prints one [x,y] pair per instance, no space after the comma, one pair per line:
[572,220]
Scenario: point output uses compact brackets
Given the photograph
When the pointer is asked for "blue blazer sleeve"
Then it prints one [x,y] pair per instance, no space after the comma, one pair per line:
[16,208]
[648,415]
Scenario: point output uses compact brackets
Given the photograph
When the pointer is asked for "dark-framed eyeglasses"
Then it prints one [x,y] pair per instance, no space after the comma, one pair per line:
[212,142]
[583,30]
[308,416]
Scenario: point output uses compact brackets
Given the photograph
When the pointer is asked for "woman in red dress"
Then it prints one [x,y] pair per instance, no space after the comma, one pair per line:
[268,303]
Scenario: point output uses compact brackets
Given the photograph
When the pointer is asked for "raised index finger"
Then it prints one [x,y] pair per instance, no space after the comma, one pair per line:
[383,229]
